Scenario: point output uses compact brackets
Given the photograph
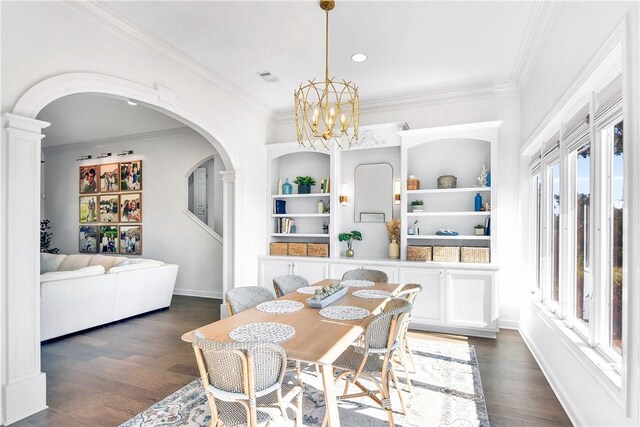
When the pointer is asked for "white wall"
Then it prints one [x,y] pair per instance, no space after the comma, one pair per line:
[578,32]
[168,234]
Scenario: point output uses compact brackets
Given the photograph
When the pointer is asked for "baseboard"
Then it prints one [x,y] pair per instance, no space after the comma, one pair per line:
[557,388]
[509,324]
[201,294]
[24,398]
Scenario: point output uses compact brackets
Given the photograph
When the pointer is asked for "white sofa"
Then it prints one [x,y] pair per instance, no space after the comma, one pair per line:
[83,291]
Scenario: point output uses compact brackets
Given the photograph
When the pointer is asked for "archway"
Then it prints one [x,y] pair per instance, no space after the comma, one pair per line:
[23,383]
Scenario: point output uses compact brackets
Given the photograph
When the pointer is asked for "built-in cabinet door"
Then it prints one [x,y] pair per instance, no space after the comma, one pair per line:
[470,299]
[429,304]
[273,268]
[312,271]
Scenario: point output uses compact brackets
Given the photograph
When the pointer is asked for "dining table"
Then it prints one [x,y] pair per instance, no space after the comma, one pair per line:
[317,340]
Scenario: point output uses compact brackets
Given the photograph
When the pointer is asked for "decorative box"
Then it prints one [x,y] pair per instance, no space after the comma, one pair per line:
[278,248]
[419,253]
[297,249]
[474,254]
[413,184]
[322,303]
[318,249]
[446,253]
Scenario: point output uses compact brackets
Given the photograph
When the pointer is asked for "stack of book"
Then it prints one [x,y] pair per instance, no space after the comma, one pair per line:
[325,185]
[284,225]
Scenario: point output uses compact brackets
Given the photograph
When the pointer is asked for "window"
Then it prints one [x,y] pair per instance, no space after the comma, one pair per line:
[537,224]
[582,231]
[616,206]
[554,231]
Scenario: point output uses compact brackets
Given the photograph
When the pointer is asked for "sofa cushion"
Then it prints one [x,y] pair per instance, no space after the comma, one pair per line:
[74,262]
[94,270]
[107,261]
[50,262]
[135,264]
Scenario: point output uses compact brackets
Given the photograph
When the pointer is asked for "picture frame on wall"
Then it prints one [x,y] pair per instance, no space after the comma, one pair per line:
[131,239]
[131,176]
[131,207]
[88,239]
[88,179]
[110,178]
[88,209]
[109,207]
[108,239]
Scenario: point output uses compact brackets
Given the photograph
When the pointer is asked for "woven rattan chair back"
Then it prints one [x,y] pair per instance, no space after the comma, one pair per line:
[409,292]
[382,332]
[246,297]
[364,274]
[283,285]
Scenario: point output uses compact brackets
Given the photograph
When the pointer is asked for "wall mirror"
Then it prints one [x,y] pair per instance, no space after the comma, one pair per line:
[373,192]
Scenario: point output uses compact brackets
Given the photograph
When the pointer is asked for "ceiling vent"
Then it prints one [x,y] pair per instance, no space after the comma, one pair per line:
[268,77]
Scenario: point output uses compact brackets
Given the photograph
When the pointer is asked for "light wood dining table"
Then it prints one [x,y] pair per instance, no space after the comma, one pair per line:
[317,339]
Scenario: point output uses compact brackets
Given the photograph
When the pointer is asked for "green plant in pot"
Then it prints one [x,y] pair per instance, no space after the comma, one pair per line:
[417,205]
[349,238]
[479,229]
[304,184]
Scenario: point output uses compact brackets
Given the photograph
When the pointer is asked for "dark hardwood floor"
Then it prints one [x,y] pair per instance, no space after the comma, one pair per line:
[104,376]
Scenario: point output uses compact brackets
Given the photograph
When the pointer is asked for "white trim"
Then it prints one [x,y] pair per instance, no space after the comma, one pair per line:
[202,225]
[509,324]
[200,294]
[102,142]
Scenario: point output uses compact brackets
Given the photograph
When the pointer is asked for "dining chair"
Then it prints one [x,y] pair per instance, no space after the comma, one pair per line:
[283,285]
[370,358]
[243,380]
[408,292]
[364,274]
[246,297]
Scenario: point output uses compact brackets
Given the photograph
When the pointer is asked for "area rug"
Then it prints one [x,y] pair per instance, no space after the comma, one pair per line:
[447,391]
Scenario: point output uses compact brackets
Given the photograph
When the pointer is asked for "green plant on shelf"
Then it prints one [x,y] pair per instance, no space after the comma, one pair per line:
[350,237]
[479,227]
[417,203]
[304,180]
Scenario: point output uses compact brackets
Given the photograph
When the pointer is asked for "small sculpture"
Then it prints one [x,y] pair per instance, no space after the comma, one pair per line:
[482,179]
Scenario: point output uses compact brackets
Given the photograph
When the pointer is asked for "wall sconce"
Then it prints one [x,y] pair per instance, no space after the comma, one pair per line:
[87,157]
[103,155]
[396,192]
[343,195]
[125,152]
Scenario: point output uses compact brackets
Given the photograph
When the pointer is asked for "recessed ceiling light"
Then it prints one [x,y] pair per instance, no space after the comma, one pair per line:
[359,57]
[130,102]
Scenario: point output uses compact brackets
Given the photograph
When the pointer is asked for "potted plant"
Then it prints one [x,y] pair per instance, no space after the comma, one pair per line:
[304,184]
[349,238]
[417,205]
[479,229]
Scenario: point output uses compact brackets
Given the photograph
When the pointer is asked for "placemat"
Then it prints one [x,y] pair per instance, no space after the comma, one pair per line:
[344,312]
[371,294]
[357,283]
[280,306]
[263,331]
[308,290]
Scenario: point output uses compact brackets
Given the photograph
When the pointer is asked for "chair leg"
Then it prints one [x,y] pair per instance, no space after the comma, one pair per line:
[403,361]
[386,399]
[408,351]
[395,383]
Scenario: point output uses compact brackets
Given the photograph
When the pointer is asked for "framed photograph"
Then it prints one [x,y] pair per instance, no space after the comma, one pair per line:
[88,242]
[88,179]
[131,176]
[131,207]
[109,206]
[131,239]
[88,209]
[108,239]
[109,178]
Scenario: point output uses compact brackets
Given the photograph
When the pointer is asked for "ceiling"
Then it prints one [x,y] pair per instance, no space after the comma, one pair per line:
[413,48]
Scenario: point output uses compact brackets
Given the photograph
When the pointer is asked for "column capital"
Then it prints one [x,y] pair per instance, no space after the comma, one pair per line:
[232,176]
[24,123]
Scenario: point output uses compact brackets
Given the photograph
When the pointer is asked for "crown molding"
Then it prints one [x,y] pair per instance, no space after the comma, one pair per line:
[135,35]
[542,16]
[416,101]
[103,142]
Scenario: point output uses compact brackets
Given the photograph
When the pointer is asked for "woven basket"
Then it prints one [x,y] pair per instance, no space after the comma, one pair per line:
[297,249]
[413,184]
[446,253]
[278,248]
[318,249]
[471,254]
[419,253]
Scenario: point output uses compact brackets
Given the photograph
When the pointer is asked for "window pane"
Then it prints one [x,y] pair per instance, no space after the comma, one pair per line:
[555,231]
[616,238]
[538,223]
[583,231]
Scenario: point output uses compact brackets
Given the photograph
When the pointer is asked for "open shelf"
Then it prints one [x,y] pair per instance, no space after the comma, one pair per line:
[300,235]
[436,236]
[301,215]
[450,190]
[299,196]
[471,213]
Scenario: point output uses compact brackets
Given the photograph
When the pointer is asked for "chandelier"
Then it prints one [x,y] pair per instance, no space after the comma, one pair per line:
[327,110]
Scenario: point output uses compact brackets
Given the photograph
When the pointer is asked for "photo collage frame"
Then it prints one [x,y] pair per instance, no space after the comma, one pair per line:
[110,208]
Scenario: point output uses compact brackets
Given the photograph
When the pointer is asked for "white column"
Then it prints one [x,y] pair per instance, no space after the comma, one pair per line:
[232,232]
[23,384]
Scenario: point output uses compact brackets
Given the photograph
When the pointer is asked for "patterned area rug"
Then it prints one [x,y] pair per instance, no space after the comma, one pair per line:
[447,391]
